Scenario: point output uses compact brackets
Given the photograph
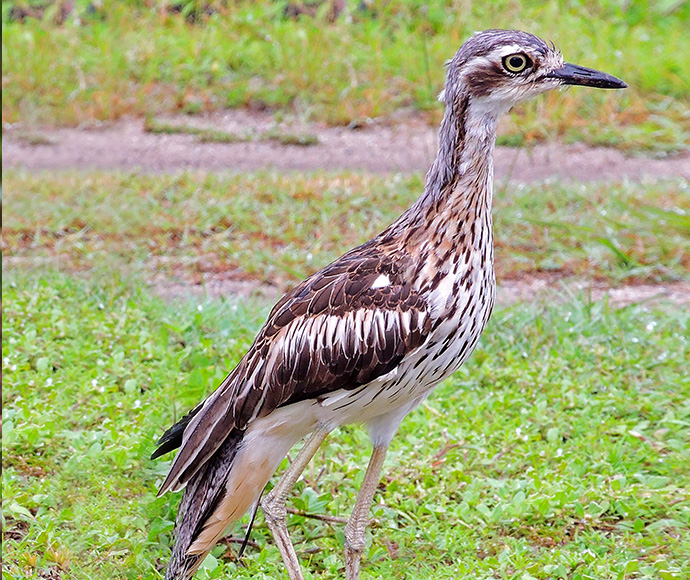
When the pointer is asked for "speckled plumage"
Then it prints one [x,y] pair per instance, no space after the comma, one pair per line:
[368,337]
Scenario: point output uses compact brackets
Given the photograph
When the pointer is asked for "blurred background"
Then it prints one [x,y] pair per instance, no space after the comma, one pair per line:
[78,62]
[170,168]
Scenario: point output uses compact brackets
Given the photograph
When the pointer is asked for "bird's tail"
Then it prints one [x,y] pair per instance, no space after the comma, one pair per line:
[221,492]
[204,492]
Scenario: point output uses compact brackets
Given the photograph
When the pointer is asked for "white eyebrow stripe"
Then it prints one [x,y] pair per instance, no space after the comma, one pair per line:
[510,49]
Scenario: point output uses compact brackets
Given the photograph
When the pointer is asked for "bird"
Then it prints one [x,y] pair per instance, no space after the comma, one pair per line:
[368,337]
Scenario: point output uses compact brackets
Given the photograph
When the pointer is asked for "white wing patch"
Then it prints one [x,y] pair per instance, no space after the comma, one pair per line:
[381,282]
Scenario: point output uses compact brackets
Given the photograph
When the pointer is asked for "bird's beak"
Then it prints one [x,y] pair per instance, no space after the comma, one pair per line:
[572,74]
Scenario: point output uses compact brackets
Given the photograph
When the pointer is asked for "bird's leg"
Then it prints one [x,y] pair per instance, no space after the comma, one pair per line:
[355,539]
[273,505]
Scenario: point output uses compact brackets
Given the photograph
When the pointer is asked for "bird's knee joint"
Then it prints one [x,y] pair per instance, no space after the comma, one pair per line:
[355,541]
[274,510]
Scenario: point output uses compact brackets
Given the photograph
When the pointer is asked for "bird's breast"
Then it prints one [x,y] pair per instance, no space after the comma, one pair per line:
[461,306]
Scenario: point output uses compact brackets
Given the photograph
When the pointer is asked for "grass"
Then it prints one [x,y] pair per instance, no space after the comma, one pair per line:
[203,134]
[560,450]
[33,139]
[196,224]
[207,135]
[118,59]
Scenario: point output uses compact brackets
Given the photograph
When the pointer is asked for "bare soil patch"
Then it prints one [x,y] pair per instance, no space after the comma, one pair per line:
[537,288]
[543,287]
[172,280]
[408,145]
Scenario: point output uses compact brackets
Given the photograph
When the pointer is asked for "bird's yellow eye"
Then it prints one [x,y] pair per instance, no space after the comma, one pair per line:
[516,63]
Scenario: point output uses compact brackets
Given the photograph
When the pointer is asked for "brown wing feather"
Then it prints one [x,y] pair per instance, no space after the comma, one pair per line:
[333,331]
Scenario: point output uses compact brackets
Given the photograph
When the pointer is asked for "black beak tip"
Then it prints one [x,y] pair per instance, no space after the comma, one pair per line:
[611,82]
[572,74]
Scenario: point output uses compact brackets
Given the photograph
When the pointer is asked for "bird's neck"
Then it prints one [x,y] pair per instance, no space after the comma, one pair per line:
[463,168]
[456,203]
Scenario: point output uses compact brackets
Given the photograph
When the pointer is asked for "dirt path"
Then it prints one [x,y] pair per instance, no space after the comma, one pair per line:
[539,288]
[408,146]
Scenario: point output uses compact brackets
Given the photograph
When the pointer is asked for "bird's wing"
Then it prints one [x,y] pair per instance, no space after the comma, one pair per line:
[343,327]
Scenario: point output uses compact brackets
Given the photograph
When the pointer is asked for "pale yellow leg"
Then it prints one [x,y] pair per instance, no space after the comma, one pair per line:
[273,505]
[355,539]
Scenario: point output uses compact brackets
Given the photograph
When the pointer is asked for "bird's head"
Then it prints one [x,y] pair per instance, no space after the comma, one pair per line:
[499,68]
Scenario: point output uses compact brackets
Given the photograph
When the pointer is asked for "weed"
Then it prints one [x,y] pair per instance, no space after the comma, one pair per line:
[206,135]
[32,139]
[298,139]
[279,228]
[560,448]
